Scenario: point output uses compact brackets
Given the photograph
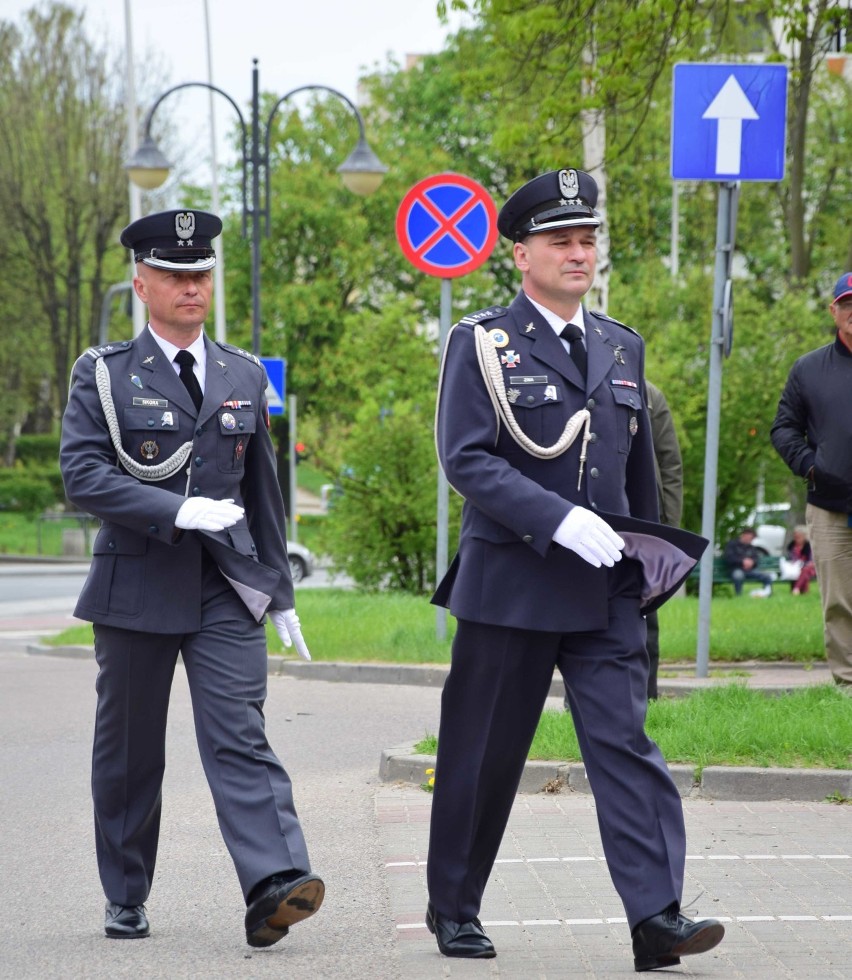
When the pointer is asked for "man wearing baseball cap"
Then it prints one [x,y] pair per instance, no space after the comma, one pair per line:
[812,433]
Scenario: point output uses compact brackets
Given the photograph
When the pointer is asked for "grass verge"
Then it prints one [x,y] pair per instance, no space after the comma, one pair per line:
[348,625]
[725,726]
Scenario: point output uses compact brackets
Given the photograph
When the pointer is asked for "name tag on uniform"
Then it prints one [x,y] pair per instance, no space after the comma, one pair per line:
[151,402]
[528,379]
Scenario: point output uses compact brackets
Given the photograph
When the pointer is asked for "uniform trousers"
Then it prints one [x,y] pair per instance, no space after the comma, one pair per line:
[226,667]
[496,688]
[831,542]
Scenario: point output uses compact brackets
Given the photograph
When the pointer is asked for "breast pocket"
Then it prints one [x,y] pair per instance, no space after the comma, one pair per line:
[534,408]
[151,435]
[235,429]
[628,405]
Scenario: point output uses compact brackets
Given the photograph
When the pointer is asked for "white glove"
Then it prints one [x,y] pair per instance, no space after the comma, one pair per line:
[592,538]
[205,514]
[286,622]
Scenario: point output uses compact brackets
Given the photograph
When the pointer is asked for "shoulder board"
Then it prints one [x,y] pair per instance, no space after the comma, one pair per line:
[491,313]
[237,350]
[611,319]
[106,349]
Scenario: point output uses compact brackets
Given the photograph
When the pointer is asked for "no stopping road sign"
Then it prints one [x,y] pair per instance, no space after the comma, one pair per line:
[446,225]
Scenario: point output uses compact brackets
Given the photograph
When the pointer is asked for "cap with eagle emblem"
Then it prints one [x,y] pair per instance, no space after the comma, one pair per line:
[557,199]
[175,240]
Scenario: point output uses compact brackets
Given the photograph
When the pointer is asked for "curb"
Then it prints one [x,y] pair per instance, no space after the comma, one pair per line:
[745,783]
[426,675]
[402,765]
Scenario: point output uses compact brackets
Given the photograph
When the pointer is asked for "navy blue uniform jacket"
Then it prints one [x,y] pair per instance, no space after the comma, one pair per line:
[508,571]
[146,573]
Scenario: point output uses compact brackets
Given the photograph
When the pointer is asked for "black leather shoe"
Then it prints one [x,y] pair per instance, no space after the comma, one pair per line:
[459,938]
[660,941]
[279,902]
[125,921]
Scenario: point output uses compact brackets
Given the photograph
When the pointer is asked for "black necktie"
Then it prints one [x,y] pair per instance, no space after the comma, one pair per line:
[187,376]
[574,335]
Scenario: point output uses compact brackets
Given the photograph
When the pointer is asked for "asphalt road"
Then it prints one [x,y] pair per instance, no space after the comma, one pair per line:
[780,874]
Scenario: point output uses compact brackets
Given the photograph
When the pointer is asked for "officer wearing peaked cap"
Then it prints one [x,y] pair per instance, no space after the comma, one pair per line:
[165,440]
[542,428]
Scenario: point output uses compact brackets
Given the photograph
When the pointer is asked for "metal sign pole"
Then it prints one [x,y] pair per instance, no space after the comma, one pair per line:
[442,549]
[725,219]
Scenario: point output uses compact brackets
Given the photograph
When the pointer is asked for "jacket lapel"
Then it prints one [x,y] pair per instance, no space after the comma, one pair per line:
[218,387]
[546,346]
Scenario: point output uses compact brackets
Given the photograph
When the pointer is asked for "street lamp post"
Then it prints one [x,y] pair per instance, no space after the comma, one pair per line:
[361,171]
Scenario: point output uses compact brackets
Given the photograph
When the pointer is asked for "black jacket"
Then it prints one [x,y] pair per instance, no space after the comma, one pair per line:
[813,425]
[736,551]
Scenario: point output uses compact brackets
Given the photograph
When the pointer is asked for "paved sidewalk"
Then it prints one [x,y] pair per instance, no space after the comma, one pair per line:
[779,873]
[772,872]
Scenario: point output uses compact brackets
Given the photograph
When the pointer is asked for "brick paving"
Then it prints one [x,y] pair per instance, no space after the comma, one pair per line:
[779,874]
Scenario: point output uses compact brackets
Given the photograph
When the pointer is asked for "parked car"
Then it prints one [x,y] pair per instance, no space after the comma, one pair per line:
[301,561]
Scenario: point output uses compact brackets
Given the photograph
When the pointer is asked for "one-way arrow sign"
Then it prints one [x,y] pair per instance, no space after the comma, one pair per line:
[729,122]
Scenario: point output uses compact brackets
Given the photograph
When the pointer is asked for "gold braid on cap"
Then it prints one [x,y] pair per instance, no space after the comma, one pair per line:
[492,374]
[151,474]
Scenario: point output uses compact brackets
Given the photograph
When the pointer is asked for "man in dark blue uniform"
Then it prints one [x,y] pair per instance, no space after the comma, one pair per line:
[165,439]
[542,428]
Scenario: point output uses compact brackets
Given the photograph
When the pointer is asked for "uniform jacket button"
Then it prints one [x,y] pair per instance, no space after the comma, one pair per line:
[241,425]
[196,491]
[527,539]
[150,422]
[153,529]
[111,546]
[590,404]
[199,432]
[199,461]
[593,473]
[593,437]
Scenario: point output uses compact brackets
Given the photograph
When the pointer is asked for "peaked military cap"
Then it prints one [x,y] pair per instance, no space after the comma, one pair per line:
[180,240]
[557,199]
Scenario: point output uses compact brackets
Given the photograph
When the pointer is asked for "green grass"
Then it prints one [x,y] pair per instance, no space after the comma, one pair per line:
[22,534]
[342,625]
[725,726]
[783,627]
[348,625]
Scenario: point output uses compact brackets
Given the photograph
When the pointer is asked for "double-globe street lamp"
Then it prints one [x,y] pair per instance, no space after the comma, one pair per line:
[361,171]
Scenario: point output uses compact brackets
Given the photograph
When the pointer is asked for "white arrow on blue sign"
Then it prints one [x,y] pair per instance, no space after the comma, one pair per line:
[729,122]
[276,370]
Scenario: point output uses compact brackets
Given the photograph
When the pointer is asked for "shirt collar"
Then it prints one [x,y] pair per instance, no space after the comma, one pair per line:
[556,322]
[197,348]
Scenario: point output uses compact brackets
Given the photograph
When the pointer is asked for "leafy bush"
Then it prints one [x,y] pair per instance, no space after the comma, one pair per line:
[37,450]
[24,491]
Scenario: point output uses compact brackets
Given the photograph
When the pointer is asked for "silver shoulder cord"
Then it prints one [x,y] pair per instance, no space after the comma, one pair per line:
[151,474]
[492,374]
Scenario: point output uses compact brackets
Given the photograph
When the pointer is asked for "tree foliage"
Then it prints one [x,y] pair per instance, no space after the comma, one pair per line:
[62,190]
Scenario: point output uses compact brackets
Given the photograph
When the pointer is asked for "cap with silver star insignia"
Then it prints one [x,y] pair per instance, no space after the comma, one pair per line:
[174,240]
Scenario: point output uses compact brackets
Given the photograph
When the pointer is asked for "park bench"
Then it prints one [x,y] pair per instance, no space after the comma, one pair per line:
[722,576]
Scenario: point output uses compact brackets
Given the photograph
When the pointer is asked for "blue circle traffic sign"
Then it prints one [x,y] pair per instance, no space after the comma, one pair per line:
[446,225]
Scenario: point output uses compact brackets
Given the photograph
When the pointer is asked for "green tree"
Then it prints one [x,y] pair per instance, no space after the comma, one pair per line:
[62,191]
[381,526]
